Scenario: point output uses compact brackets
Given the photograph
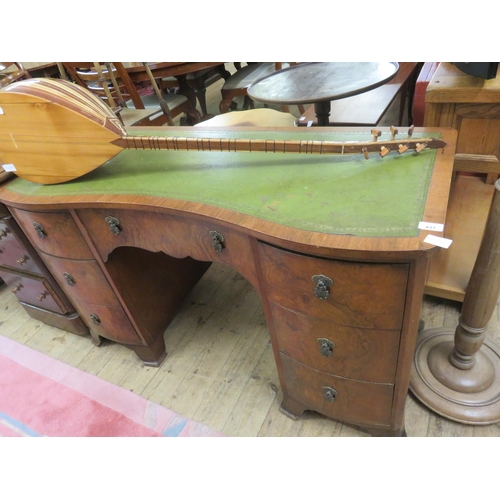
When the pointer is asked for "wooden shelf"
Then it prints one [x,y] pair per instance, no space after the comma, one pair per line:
[450,269]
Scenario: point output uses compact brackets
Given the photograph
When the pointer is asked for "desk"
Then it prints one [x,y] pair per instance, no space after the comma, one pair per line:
[320,83]
[193,88]
[331,244]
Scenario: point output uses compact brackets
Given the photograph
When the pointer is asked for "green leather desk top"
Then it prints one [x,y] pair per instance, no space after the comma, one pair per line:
[323,193]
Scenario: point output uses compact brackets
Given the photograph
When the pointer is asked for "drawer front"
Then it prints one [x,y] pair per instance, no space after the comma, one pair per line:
[82,280]
[362,403]
[356,353]
[109,322]
[360,294]
[176,236]
[13,254]
[54,233]
[33,291]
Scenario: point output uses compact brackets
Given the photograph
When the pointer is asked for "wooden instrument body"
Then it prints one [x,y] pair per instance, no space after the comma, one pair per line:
[52,131]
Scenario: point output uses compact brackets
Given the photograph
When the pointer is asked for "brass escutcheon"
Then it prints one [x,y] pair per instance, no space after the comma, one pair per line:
[322,283]
[95,319]
[217,241]
[40,231]
[329,394]
[22,260]
[325,347]
[113,223]
[69,279]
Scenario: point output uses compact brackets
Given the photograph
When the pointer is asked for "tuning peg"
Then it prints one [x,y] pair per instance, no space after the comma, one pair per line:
[394,132]
[384,151]
[419,147]
[376,134]
[365,152]
[402,148]
[410,131]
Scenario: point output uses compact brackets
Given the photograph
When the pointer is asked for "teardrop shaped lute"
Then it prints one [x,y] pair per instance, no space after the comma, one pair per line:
[53,131]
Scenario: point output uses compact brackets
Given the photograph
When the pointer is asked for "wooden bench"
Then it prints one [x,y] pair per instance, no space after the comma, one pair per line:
[368,109]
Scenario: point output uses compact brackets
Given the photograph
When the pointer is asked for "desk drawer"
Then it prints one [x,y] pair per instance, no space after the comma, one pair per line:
[34,291]
[82,280]
[13,254]
[54,233]
[356,353]
[362,403]
[174,235]
[361,294]
[109,322]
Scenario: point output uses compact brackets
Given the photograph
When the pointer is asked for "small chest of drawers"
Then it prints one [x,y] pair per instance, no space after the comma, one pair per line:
[24,272]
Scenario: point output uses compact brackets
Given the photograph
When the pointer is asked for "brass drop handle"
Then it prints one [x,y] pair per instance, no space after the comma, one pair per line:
[22,260]
[40,231]
[217,241]
[42,296]
[69,279]
[17,288]
[329,394]
[325,347]
[95,319]
[322,284]
[114,224]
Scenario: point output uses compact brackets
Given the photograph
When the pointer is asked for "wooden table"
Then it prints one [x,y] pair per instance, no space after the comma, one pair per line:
[331,243]
[367,109]
[42,69]
[192,87]
[321,83]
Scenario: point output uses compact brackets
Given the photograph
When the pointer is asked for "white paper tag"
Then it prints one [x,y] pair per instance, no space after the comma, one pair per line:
[309,123]
[1,111]
[437,241]
[431,226]
[9,167]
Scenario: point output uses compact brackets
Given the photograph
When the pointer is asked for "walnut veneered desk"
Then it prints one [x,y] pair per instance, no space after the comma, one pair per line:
[331,244]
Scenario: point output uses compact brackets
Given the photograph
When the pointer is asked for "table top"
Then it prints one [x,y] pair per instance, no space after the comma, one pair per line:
[325,200]
[137,71]
[449,84]
[309,83]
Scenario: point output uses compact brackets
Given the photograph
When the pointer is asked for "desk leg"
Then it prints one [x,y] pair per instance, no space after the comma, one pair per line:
[152,354]
[322,110]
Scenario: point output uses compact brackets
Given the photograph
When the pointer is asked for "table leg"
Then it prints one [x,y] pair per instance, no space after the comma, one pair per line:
[322,110]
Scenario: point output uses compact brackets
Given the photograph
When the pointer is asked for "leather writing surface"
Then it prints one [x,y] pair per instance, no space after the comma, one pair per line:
[325,193]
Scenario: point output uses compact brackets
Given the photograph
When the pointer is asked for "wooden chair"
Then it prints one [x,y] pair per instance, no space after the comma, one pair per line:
[237,84]
[260,117]
[112,83]
[198,81]
[11,72]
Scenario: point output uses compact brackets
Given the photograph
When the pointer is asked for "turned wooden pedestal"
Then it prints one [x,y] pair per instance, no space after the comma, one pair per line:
[457,374]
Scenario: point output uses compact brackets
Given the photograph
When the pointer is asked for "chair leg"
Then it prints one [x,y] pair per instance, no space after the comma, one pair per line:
[226,105]
[403,91]
[248,103]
